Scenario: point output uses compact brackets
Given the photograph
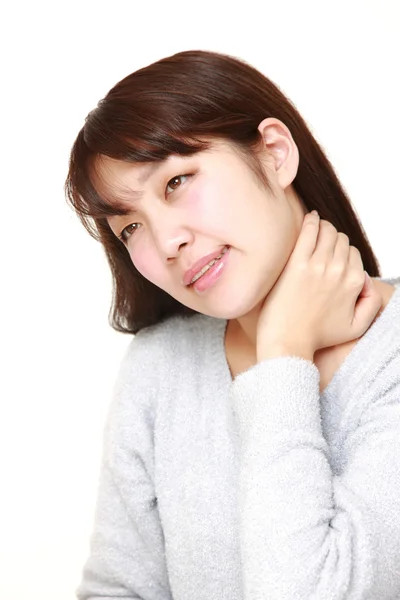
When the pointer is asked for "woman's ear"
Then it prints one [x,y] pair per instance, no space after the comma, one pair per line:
[282,152]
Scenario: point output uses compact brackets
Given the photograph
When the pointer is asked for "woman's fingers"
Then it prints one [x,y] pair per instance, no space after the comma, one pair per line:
[307,239]
[355,260]
[321,241]
[326,242]
[367,307]
[333,304]
[342,249]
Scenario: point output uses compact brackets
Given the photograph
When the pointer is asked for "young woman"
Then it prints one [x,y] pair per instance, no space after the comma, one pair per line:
[252,449]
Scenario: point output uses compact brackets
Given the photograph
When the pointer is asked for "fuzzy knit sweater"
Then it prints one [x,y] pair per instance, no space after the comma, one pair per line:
[260,488]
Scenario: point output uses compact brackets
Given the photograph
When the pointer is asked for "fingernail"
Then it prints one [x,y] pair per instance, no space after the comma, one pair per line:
[314,212]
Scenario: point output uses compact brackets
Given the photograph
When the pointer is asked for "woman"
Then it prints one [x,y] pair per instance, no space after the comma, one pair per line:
[252,448]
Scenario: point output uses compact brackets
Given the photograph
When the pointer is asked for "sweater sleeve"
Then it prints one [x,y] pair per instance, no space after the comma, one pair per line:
[305,532]
[127,557]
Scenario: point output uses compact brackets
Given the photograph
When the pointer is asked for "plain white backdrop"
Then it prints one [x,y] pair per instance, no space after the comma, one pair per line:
[337,61]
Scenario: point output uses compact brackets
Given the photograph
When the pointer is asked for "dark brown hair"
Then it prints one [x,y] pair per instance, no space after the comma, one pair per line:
[174,106]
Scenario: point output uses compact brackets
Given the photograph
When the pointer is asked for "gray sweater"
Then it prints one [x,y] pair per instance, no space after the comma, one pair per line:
[258,488]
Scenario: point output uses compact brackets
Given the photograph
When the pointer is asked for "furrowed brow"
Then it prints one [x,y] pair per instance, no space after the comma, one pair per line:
[115,203]
[149,171]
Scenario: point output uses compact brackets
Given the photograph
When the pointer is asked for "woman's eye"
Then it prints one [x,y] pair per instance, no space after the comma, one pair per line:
[174,182]
[127,231]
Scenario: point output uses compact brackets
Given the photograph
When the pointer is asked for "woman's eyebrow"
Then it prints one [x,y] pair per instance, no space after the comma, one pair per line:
[149,171]
[130,194]
[118,196]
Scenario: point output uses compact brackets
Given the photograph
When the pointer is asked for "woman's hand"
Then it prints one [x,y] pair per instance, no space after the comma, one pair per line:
[322,298]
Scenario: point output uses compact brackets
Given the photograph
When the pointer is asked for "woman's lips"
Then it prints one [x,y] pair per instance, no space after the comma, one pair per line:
[212,275]
[200,264]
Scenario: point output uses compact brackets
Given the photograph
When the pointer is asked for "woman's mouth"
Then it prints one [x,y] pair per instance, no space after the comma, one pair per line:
[211,272]
[209,265]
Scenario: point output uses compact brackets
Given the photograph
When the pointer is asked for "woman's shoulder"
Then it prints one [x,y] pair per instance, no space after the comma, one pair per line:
[395,281]
[150,365]
[390,289]
[376,355]
[175,337]
[182,325]
[175,330]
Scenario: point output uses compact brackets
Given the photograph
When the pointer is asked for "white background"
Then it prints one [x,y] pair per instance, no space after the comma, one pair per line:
[338,61]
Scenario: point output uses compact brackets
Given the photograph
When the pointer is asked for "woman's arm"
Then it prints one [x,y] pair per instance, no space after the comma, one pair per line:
[127,557]
[307,533]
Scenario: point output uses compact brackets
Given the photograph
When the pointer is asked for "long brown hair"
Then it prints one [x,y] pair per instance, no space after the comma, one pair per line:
[174,106]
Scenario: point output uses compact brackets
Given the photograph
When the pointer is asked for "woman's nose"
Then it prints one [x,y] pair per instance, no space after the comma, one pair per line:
[170,237]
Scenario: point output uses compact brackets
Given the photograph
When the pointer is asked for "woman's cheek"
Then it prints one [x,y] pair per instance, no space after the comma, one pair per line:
[208,206]
[147,265]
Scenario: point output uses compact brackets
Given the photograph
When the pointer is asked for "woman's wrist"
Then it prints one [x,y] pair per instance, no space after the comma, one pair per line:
[279,349]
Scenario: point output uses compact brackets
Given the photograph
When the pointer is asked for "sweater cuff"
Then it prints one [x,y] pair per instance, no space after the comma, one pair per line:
[277,394]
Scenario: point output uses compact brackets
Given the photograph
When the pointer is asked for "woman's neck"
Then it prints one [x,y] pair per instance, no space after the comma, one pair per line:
[243,330]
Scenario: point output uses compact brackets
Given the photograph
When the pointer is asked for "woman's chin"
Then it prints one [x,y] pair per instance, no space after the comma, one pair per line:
[222,311]
[224,303]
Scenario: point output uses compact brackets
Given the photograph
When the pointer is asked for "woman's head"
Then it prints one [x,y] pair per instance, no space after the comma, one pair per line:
[220,158]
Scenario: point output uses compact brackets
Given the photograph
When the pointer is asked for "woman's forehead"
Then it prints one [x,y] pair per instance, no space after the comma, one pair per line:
[107,168]
[110,174]
[119,177]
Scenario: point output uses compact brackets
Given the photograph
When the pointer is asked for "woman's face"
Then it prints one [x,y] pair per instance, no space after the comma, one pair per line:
[191,207]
